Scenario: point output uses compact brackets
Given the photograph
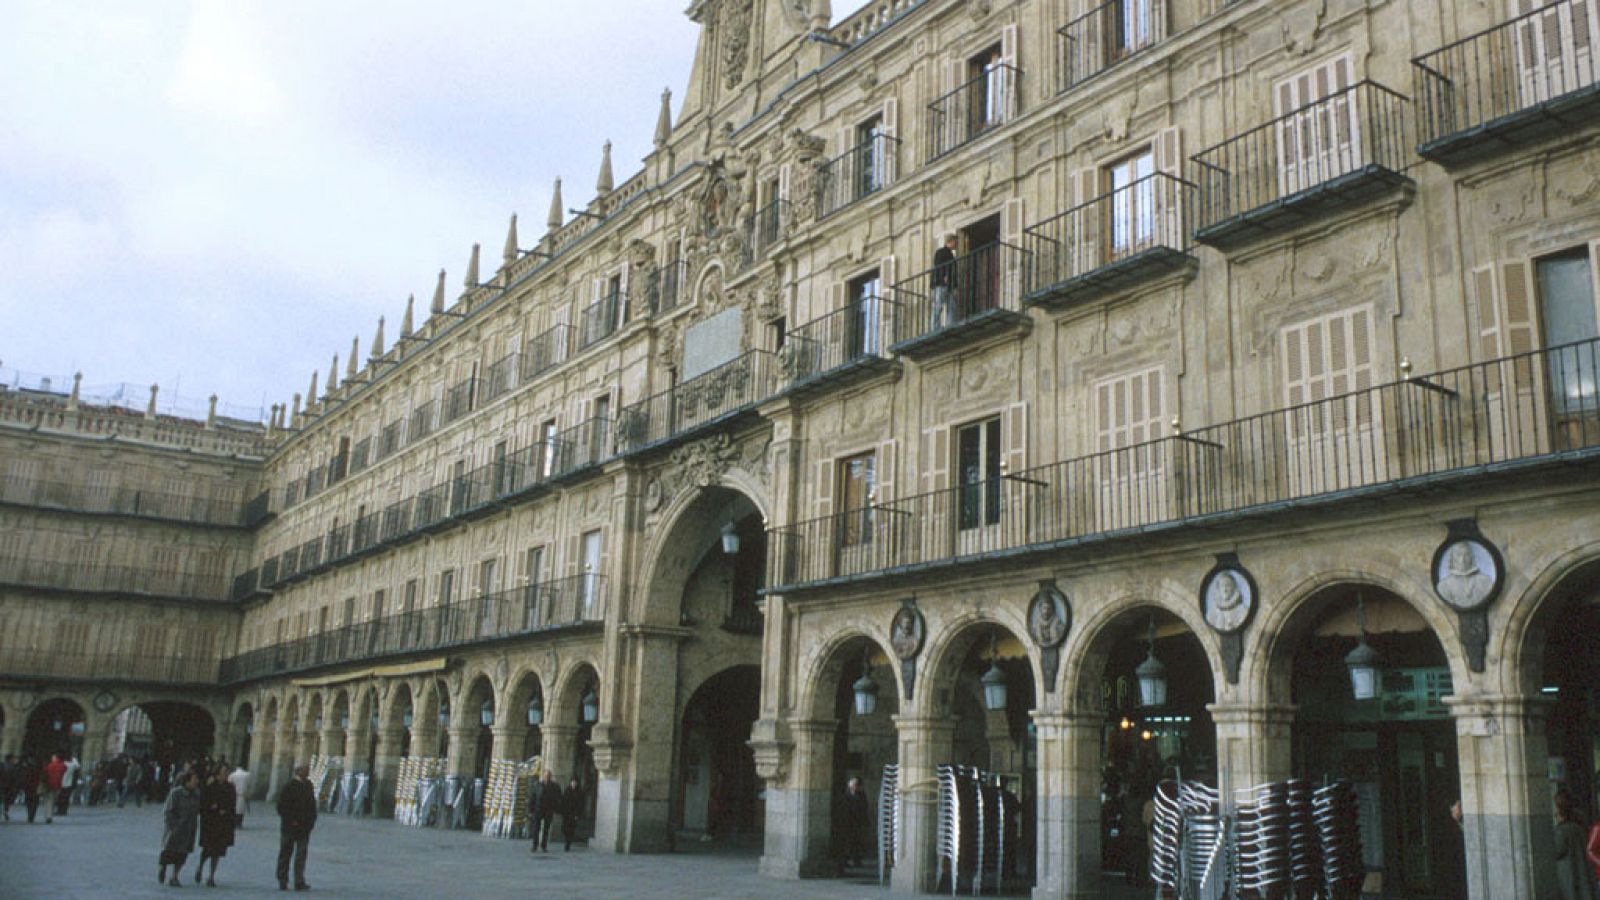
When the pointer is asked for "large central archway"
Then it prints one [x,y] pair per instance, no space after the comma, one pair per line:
[717,792]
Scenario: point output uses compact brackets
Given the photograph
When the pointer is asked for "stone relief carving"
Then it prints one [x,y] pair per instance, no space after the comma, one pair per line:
[695,465]
[735,28]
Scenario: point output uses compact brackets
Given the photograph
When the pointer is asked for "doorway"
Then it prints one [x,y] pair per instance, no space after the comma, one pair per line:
[718,794]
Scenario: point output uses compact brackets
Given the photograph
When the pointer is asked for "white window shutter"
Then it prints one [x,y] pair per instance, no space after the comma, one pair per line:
[887,460]
[1014,438]
[622,312]
[891,127]
[824,498]
[1518,331]
[1487,295]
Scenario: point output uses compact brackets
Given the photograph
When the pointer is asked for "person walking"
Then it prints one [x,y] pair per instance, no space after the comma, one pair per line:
[216,823]
[543,805]
[856,822]
[571,813]
[297,815]
[240,780]
[55,771]
[1573,876]
[133,784]
[30,779]
[180,816]
[70,781]
[9,783]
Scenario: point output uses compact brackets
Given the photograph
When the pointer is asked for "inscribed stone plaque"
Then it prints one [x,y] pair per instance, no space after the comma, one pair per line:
[711,343]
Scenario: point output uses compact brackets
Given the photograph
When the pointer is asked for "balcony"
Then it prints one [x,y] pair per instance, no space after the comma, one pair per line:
[563,605]
[1105,36]
[599,320]
[837,350]
[767,226]
[1343,150]
[103,499]
[977,296]
[94,577]
[664,287]
[1514,85]
[460,399]
[973,110]
[1417,434]
[126,665]
[1130,236]
[857,173]
[711,399]
[581,448]
[544,352]
[390,439]
[423,420]
[500,378]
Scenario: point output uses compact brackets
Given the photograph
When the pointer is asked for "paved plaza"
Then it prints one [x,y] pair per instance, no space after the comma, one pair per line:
[106,852]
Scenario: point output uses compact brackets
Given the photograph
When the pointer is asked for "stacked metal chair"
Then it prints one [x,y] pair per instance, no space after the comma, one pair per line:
[1166,836]
[888,820]
[1336,815]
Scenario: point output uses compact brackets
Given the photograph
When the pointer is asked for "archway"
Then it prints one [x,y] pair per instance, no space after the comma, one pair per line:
[165,732]
[402,710]
[863,742]
[477,728]
[54,727]
[524,714]
[244,721]
[566,733]
[311,744]
[1398,748]
[716,797]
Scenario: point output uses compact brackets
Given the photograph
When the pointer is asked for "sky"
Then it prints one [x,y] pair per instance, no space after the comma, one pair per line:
[217,195]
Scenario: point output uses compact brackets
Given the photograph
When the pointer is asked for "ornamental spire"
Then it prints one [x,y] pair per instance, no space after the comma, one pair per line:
[438,295]
[377,340]
[605,182]
[472,268]
[664,120]
[405,321]
[509,255]
[333,378]
[558,213]
[355,353]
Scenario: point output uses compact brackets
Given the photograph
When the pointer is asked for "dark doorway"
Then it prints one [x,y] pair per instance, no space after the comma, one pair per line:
[717,791]
[55,726]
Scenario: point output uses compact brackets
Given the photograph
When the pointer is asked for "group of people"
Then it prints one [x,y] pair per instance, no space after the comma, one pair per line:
[203,802]
[545,802]
[52,785]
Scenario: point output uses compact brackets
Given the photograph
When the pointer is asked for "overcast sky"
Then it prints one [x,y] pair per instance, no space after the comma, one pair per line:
[217,196]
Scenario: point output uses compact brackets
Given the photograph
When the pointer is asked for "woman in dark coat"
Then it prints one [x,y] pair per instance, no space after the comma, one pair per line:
[216,823]
[1572,869]
[180,816]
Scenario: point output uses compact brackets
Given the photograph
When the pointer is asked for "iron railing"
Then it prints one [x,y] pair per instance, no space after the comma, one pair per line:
[391,438]
[257,510]
[972,110]
[598,320]
[500,378]
[545,351]
[1414,432]
[1351,133]
[1534,59]
[767,226]
[1149,214]
[533,609]
[857,173]
[857,332]
[664,286]
[947,297]
[582,446]
[460,399]
[1107,35]
[706,399]
[88,497]
[92,576]
[423,420]
[120,664]
[361,455]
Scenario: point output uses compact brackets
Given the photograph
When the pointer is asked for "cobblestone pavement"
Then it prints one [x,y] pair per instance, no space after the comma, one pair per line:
[107,852]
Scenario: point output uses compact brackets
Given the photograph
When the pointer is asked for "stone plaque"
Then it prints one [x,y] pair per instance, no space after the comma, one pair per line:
[712,343]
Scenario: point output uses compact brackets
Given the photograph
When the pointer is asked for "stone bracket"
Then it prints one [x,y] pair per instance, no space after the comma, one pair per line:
[1474,626]
[611,746]
[773,747]
[1232,654]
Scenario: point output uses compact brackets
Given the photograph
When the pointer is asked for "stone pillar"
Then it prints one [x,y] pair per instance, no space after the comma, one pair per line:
[463,744]
[1255,743]
[356,738]
[558,746]
[285,749]
[330,742]
[386,769]
[1068,805]
[508,741]
[1507,818]
[635,760]
[796,761]
[924,744]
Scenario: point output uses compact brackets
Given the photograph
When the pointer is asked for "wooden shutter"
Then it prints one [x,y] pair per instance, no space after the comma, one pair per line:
[1011,81]
[824,499]
[887,460]
[1487,295]
[891,127]
[1014,438]
[1087,186]
[622,310]
[1518,324]
[574,556]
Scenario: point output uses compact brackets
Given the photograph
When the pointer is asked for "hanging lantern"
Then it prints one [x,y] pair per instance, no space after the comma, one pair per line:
[486,714]
[730,539]
[1363,660]
[591,707]
[405,717]
[994,681]
[444,714]
[1152,675]
[865,689]
[536,709]
[344,720]
[316,724]
[249,727]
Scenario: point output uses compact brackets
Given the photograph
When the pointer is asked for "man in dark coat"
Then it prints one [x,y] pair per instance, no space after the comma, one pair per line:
[9,784]
[857,823]
[297,814]
[944,281]
[542,808]
[571,813]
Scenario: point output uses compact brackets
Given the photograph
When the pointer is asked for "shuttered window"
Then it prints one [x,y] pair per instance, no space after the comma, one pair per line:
[1327,357]
[1129,410]
[1318,127]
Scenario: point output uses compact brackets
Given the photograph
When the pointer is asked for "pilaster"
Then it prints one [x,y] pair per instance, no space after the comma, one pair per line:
[1507,821]
[925,743]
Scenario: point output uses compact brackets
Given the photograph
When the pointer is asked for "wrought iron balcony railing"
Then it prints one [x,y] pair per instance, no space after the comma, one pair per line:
[536,608]
[765,228]
[1418,432]
[1511,85]
[968,298]
[545,351]
[391,439]
[1105,36]
[857,173]
[583,446]
[500,377]
[664,286]
[707,399]
[125,500]
[974,109]
[848,342]
[460,399]
[92,576]
[124,663]
[599,320]
[423,420]
[1131,234]
[1343,149]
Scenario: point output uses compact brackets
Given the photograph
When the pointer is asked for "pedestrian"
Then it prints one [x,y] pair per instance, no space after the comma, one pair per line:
[31,780]
[1572,868]
[216,823]
[542,806]
[571,813]
[133,784]
[944,281]
[55,772]
[297,815]
[9,784]
[1591,851]
[69,784]
[856,821]
[240,779]
[180,816]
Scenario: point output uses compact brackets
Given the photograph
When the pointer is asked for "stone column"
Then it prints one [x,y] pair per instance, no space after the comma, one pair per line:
[635,760]
[1255,743]
[330,742]
[1068,805]
[355,746]
[924,744]
[508,741]
[386,769]
[284,750]
[796,761]
[463,746]
[1507,819]
[558,746]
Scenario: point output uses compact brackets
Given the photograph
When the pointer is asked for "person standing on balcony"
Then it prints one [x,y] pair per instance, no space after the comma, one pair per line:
[54,772]
[944,281]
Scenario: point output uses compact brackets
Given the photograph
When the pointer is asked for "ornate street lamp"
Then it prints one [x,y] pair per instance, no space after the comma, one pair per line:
[730,539]
[994,680]
[536,709]
[405,717]
[1363,660]
[864,688]
[591,707]
[344,720]
[316,724]
[486,714]
[1152,675]
[444,713]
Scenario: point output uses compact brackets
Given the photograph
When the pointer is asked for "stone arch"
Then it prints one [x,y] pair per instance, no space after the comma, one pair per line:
[692,524]
[1085,651]
[949,641]
[512,713]
[181,727]
[821,668]
[49,727]
[1519,644]
[564,701]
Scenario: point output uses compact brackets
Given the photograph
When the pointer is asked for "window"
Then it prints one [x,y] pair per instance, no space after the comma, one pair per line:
[778,333]
[986,79]
[865,315]
[591,574]
[872,169]
[1566,287]
[1130,27]
[1318,127]
[616,313]
[1131,210]
[857,493]
[547,454]
[1128,411]
[978,468]
[501,449]
[600,422]
[532,569]
[487,587]
[447,587]
[349,611]
[458,487]
[1332,421]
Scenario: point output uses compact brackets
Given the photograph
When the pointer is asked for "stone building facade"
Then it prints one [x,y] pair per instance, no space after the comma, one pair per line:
[1265,329]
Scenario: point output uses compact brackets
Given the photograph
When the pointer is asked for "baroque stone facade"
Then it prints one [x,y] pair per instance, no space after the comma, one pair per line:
[1250,288]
